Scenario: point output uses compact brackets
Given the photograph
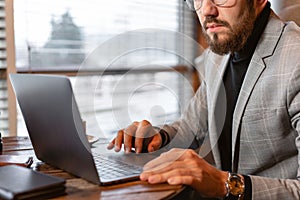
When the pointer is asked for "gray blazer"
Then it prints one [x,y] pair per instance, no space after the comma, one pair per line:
[267,113]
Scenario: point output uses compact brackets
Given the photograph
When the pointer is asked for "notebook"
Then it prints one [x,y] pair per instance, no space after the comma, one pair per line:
[57,134]
[23,183]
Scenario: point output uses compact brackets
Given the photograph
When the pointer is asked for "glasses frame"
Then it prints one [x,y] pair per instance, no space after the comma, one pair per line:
[191,4]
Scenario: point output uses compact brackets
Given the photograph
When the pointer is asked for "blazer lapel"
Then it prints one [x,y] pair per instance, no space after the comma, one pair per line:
[216,66]
[256,67]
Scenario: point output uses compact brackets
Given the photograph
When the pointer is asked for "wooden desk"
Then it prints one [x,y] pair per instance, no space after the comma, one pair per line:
[77,188]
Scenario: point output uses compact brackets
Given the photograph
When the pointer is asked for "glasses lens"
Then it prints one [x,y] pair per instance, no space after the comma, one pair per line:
[220,2]
[197,4]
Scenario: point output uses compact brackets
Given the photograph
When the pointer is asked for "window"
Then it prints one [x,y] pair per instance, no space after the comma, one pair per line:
[60,34]
[127,51]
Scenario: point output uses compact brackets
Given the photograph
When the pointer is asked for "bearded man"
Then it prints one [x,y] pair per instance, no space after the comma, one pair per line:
[245,117]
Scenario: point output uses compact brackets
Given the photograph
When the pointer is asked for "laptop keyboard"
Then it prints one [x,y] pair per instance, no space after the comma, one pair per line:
[110,168]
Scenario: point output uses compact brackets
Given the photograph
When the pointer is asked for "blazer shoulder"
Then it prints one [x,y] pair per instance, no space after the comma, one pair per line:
[291,29]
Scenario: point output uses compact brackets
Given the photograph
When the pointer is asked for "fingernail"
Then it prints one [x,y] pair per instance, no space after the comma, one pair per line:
[171,181]
[143,177]
[138,150]
[117,149]
[127,150]
[110,146]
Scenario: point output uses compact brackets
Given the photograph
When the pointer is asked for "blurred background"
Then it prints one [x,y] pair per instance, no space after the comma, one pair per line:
[137,55]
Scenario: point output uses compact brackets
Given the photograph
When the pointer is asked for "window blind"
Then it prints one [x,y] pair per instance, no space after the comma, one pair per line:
[3,84]
[2,35]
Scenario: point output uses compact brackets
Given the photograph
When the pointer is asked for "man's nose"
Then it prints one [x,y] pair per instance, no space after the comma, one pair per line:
[208,8]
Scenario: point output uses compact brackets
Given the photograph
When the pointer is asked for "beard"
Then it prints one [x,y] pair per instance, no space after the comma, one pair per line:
[237,35]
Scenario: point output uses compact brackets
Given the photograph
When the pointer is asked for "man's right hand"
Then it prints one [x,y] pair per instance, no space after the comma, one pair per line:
[141,136]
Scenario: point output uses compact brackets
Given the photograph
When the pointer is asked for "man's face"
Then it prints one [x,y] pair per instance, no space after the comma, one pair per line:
[227,28]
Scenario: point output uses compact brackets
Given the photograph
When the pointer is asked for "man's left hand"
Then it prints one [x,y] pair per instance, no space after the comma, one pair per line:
[182,166]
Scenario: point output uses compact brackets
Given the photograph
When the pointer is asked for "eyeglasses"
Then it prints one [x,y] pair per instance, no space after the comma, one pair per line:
[197,4]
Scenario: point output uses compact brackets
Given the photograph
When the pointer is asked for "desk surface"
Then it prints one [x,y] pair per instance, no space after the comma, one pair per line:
[77,188]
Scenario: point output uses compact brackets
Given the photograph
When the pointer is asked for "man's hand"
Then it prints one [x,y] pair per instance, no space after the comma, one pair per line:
[180,166]
[139,135]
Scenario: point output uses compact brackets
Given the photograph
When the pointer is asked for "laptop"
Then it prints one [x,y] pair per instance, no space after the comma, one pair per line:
[57,133]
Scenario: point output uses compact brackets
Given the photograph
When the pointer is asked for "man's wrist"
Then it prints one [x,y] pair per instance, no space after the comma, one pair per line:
[225,190]
[165,138]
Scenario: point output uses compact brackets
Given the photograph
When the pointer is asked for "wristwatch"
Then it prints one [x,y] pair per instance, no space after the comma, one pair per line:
[235,185]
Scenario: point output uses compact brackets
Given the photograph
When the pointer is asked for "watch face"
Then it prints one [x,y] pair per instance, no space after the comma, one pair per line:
[236,185]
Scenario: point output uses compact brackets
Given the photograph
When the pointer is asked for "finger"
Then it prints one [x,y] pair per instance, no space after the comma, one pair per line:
[144,176]
[154,163]
[180,180]
[129,133]
[111,145]
[155,143]
[173,169]
[143,131]
[166,157]
[165,176]
[171,156]
[169,166]
[163,167]
[119,140]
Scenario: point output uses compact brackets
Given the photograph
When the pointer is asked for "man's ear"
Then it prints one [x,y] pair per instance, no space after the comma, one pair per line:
[259,5]
[261,2]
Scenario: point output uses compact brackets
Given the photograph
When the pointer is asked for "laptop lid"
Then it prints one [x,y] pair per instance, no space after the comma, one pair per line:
[54,124]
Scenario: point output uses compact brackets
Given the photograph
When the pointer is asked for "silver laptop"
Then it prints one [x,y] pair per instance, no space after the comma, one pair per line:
[57,134]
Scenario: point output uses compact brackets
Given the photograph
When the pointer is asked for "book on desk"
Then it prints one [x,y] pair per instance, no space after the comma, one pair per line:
[24,183]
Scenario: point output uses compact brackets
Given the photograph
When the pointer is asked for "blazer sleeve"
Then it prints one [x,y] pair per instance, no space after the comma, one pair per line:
[193,123]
